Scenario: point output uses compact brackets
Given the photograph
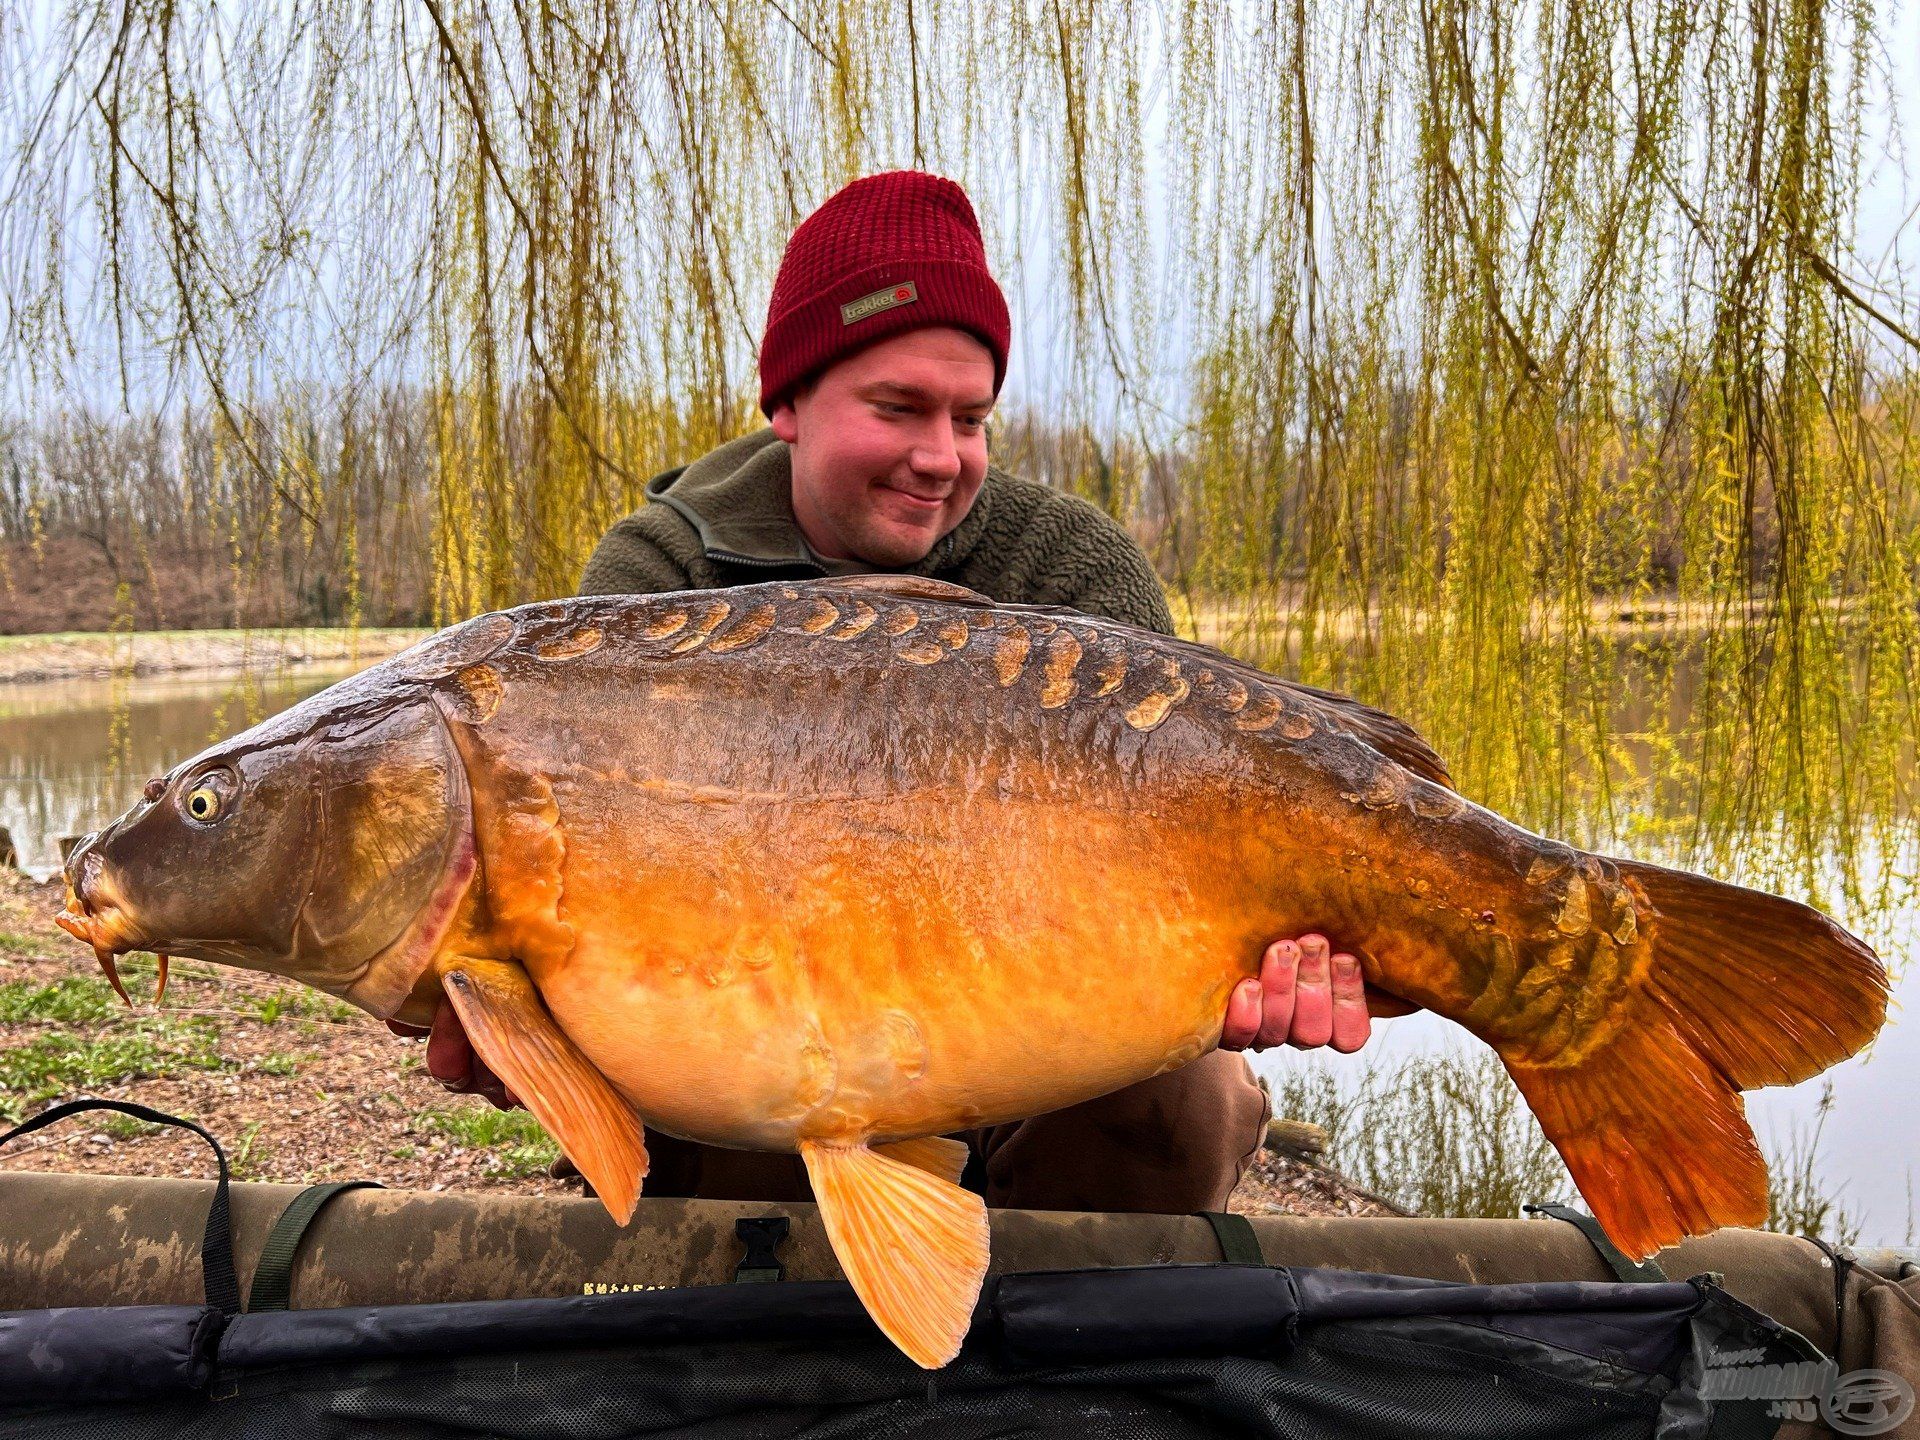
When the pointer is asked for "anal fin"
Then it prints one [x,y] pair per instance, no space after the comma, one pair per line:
[931,1153]
[512,1031]
[913,1245]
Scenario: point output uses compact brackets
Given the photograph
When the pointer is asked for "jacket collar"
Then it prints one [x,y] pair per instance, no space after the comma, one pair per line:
[739,499]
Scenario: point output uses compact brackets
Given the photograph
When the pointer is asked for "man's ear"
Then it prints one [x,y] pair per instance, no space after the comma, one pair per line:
[786,415]
[785,422]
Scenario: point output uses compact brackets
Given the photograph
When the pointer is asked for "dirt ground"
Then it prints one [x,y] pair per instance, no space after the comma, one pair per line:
[296,1085]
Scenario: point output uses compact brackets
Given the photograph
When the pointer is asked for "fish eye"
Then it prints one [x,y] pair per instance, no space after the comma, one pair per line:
[210,798]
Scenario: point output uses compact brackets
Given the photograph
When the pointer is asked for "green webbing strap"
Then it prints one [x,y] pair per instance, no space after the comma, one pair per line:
[1643,1272]
[1238,1243]
[272,1284]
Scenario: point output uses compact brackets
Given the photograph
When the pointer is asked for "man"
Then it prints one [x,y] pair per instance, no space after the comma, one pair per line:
[885,348]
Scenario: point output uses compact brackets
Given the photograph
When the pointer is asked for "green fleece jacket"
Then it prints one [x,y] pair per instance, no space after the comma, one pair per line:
[727,519]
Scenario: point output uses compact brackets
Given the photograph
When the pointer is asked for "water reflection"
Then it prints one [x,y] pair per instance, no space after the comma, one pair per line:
[74,753]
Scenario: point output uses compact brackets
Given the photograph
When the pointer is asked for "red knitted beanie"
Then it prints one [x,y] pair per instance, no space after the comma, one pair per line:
[890,253]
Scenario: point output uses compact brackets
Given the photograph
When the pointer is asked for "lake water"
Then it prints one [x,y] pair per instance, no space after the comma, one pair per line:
[74,754]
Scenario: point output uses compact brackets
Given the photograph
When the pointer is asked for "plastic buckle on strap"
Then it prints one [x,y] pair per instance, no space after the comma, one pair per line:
[1637,1272]
[763,1236]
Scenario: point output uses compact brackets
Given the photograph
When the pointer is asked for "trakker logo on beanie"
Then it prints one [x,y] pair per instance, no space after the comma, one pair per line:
[889,253]
[880,300]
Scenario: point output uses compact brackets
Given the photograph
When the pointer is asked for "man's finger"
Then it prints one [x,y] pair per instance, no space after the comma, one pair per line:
[1312,995]
[1243,1016]
[1279,971]
[1351,1024]
[449,1054]
[492,1087]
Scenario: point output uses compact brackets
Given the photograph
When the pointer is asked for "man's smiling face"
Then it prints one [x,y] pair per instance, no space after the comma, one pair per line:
[890,446]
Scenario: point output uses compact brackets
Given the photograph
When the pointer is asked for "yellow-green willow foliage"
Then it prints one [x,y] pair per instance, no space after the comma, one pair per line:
[1507,364]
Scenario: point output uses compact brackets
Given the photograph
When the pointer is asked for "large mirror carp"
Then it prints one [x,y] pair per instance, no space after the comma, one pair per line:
[840,867]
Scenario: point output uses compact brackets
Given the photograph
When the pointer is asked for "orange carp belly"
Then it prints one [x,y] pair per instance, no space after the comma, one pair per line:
[883,1040]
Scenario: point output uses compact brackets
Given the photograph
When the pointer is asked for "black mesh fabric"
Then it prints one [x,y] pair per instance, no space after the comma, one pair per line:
[1345,1382]
[1167,1351]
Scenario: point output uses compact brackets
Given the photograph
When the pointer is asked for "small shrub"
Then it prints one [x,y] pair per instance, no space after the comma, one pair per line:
[1449,1134]
[1797,1201]
[1442,1135]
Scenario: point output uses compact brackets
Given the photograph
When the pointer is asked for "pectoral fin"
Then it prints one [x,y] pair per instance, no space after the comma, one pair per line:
[512,1031]
[913,1244]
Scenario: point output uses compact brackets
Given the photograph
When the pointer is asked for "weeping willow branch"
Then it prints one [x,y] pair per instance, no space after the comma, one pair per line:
[1854,298]
[482,138]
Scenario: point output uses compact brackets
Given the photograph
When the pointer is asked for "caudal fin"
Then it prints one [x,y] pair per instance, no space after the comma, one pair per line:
[1744,989]
[913,1244]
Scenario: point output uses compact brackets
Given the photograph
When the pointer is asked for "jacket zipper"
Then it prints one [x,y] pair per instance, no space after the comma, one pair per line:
[752,560]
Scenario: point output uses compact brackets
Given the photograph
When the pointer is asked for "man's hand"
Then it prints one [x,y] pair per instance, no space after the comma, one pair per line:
[451,1061]
[1305,996]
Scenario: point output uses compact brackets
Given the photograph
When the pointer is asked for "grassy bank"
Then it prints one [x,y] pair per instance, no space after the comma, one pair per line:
[74,655]
[300,1086]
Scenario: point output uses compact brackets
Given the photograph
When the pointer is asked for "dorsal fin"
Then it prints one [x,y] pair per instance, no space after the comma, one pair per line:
[1388,734]
[909,587]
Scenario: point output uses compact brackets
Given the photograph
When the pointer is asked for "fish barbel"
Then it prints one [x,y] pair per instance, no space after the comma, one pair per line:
[838,867]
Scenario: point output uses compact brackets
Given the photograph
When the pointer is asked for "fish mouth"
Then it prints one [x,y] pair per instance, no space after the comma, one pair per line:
[97,915]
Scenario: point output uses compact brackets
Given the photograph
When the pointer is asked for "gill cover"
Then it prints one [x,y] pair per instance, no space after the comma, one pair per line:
[390,813]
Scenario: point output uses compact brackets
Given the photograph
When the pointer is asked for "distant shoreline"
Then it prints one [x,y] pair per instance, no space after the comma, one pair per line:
[1233,625]
[30,659]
